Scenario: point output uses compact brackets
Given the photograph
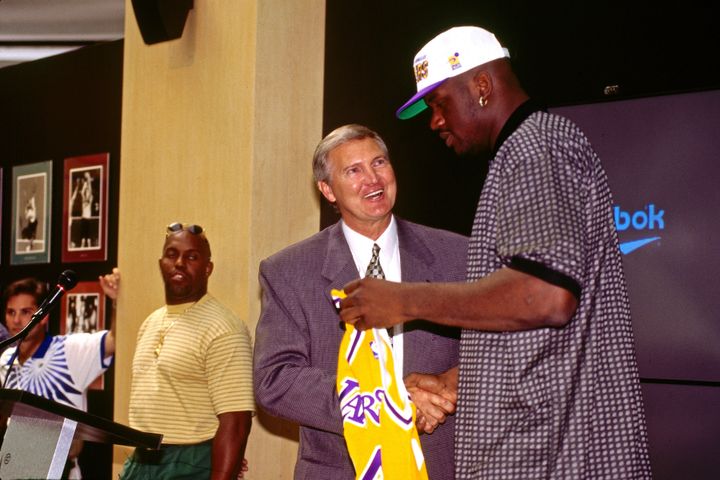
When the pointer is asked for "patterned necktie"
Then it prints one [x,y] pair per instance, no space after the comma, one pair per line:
[374,270]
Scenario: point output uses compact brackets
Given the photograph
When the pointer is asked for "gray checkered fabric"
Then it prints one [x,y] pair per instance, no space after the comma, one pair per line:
[551,403]
[374,269]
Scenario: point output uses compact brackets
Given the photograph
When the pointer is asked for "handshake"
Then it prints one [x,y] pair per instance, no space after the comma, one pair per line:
[434,396]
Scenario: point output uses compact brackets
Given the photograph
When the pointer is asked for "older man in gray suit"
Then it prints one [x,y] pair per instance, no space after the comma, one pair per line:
[299,332]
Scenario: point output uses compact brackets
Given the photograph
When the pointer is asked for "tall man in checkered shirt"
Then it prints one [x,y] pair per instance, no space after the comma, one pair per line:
[548,380]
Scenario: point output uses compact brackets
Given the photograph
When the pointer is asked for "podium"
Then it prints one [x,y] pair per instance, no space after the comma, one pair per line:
[38,433]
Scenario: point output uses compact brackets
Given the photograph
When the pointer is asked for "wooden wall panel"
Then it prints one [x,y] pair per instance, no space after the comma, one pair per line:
[218,129]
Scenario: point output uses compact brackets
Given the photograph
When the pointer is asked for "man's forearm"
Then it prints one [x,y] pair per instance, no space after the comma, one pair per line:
[228,447]
[507,300]
[273,395]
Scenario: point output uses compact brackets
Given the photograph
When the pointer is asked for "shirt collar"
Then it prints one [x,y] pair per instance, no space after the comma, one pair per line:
[523,111]
[361,246]
[181,308]
[40,352]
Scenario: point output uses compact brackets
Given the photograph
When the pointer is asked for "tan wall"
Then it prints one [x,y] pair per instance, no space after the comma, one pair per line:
[218,129]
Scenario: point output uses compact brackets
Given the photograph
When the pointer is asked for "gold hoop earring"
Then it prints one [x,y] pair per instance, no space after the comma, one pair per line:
[482,101]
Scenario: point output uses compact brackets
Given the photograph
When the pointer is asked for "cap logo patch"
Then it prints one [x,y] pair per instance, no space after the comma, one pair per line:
[454,61]
[421,71]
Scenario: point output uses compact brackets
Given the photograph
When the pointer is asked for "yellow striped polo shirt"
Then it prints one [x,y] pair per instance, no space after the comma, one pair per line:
[192,362]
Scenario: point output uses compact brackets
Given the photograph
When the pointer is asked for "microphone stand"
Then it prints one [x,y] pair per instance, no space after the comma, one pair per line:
[67,281]
[11,364]
[34,320]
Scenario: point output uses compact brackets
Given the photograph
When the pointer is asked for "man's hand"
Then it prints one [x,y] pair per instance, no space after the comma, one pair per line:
[110,283]
[435,397]
[432,409]
[373,303]
[444,384]
[243,468]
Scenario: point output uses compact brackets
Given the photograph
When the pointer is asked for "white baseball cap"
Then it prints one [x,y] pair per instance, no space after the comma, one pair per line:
[451,53]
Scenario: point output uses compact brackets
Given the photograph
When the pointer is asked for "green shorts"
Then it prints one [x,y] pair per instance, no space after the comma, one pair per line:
[169,462]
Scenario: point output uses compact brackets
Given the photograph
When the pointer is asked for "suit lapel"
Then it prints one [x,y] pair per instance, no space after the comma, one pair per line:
[415,257]
[338,265]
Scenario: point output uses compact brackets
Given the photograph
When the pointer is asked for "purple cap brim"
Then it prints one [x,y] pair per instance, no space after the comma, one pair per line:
[411,107]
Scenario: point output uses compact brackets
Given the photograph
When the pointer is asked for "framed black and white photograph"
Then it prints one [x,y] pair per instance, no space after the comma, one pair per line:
[31,213]
[85,183]
[83,311]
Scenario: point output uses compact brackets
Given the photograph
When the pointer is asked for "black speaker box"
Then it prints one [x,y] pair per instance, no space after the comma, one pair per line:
[161,20]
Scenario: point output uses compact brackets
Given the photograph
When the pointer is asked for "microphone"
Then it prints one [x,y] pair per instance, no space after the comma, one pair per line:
[66,281]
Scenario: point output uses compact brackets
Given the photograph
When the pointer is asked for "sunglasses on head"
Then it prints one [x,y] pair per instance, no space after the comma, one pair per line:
[179,227]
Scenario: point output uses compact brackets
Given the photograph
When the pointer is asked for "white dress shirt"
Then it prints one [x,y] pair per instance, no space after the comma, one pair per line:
[361,249]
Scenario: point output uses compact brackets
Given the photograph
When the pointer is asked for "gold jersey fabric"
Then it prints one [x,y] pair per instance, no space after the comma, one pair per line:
[378,416]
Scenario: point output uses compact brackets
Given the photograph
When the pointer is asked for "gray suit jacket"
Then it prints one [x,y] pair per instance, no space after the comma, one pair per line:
[299,332]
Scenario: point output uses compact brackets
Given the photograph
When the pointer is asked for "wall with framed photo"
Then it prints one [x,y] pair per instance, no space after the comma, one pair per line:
[85,185]
[31,213]
[59,172]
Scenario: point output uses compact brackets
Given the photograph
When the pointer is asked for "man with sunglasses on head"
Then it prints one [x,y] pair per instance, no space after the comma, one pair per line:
[58,367]
[192,372]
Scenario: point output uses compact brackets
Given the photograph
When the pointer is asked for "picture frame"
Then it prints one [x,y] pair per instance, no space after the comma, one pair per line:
[82,310]
[85,197]
[31,213]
